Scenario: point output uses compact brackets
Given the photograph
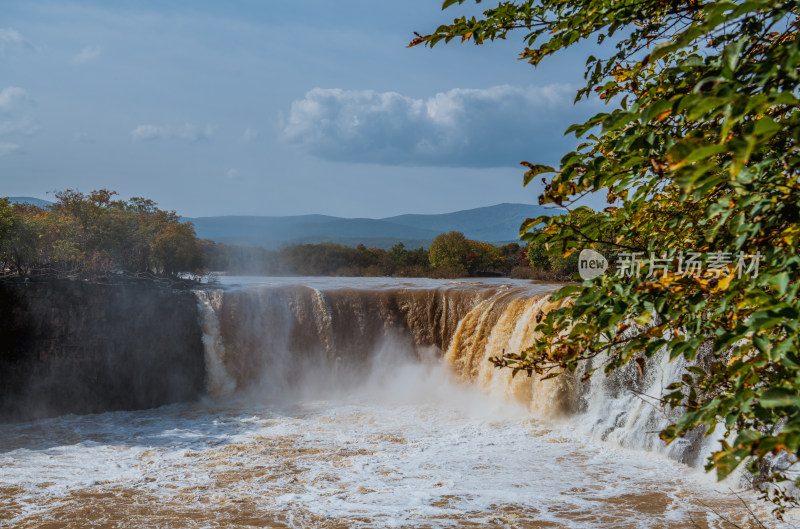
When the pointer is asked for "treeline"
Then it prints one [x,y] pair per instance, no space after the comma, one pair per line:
[450,255]
[93,235]
[323,259]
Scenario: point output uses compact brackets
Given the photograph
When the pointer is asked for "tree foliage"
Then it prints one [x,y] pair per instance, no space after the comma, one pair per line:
[92,234]
[327,259]
[454,252]
[698,152]
[449,250]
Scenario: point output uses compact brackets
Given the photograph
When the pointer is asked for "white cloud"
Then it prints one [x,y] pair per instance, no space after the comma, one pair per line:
[10,97]
[187,132]
[496,126]
[249,134]
[191,132]
[87,54]
[10,35]
[10,38]
[22,125]
[147,133]
[232,174]
[8,148]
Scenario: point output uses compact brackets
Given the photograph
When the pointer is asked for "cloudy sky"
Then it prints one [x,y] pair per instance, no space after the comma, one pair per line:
[273,108]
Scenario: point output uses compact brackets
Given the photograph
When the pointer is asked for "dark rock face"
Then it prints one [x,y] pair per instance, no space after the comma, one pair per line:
[79,347]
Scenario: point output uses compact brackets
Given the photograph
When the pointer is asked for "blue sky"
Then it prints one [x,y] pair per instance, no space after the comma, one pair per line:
[273,108]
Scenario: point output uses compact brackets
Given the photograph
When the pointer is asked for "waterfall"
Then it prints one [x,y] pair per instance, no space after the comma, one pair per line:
[218,382]
[620,408]
[340,402]
[269,340]
[502,325]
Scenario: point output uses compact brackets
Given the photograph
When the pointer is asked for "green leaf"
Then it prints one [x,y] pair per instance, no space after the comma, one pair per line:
[779,398]
[761,343]
[565,291]
[534,171]
[731,54]
[780,282]
[766,126]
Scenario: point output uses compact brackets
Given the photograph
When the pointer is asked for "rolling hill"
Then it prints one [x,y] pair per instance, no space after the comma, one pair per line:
[30,200]
[499,223]
[496,224]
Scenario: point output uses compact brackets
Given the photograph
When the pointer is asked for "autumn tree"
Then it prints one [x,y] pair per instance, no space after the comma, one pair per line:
[482,256]
[538,256]
[7,219]
[698,157]
[23,245]
[93,234]
[449,250]
[175,248]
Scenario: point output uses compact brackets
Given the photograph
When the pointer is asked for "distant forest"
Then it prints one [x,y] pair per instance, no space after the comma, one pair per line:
[93,235]
[450,255]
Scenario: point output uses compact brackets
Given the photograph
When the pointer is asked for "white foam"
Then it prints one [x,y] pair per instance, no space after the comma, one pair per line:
[218,382]
[406,443]
[409,447]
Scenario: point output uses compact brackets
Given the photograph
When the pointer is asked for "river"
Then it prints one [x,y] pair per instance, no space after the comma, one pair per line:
[369,402]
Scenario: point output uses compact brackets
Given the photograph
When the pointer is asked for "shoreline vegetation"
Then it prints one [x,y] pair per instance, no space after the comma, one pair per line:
[95,237]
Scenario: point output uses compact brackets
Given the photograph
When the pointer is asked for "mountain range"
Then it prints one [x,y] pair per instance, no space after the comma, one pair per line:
[496,224]
[30,200]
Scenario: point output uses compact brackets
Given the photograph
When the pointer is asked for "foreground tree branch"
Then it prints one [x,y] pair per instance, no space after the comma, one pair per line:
[698,155]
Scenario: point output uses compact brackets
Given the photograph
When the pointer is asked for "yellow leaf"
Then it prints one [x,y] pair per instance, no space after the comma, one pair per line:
[724,282]
[643,318]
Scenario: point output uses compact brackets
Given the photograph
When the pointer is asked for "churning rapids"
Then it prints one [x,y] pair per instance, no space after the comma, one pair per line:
[369,403]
